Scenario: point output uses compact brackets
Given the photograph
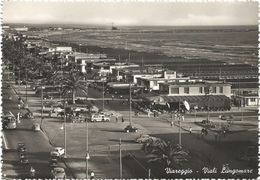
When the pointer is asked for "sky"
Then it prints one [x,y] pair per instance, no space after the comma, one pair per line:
[134,13]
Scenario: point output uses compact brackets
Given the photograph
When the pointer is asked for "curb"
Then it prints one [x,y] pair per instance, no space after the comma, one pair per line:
[5,146]
[44,133]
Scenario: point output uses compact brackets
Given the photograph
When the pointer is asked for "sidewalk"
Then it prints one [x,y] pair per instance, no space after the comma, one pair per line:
[102,163]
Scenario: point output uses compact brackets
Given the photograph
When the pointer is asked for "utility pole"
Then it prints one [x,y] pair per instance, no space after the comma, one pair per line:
[19,80]
[26,85]
[179,123]
[65,135]
[87,153]
[103,94]
[42,105]
[130,104]
[120,160]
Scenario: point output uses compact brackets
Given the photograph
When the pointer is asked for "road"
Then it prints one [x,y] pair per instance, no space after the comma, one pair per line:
[37,144]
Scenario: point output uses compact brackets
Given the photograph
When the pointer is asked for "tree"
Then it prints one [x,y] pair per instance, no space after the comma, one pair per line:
[167,154]
[72,84]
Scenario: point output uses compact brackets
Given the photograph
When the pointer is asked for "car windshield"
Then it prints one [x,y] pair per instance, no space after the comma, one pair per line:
[59,171]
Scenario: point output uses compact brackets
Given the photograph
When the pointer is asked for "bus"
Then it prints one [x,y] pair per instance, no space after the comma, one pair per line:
[9,121]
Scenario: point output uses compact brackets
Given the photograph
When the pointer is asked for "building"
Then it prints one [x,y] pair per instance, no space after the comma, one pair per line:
[85,61]
[202,94]
[152,82]
[195,88]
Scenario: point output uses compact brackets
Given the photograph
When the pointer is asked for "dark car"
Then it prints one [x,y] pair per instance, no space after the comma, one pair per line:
[53,163]
[226,117]
[130,128]
[21,147]
[24,160]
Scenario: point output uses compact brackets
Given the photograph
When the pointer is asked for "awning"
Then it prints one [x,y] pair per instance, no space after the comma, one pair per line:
[200,101]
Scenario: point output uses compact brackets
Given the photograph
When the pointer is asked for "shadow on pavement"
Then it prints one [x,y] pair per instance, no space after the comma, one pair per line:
[123,141]
[112,130]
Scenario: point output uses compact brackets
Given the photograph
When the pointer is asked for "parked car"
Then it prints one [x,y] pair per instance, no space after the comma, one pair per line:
[144,138]
[59,150]
[54,163]
[21,147]
[54,154]
[22,155]
[226,117]
[36,127]
[58,109]
[24,160]
[130,128]
[58,173]
[98,117]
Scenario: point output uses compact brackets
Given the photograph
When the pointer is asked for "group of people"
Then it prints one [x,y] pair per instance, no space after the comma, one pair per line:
[117,118]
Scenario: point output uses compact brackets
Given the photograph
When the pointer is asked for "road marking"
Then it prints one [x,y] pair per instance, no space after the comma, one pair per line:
[5,142]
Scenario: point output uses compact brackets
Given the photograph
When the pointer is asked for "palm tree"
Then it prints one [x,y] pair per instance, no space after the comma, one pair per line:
[167,154]
[72,84]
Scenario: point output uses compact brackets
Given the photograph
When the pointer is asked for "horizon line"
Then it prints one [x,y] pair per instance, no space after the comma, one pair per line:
[106,25]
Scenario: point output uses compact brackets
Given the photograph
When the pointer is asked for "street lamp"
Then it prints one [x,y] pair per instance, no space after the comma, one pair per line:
[65,134]
[195,111]
[87,158]
[42,104]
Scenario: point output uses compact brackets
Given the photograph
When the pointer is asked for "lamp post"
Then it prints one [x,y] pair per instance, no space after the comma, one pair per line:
[26,85]
[87,152]
[130,104]
[120,160]
[65,134]
[208,92]
[19,81]
[195,111]
[42,104]
[103,94]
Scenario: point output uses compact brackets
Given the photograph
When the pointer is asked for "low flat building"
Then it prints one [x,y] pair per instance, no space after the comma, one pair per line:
[203,95]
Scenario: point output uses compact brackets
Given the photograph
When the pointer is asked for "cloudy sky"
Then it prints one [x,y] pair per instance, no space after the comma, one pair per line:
[222,13]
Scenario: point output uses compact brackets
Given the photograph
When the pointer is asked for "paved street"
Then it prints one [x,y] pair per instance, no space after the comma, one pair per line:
[104,139]
[38,147]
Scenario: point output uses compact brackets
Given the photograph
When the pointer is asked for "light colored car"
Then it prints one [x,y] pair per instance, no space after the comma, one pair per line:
[36,127]
[59,150]
[97,117]
[58,109]
[144,138]
[58,173]
[24,160]
[54,154]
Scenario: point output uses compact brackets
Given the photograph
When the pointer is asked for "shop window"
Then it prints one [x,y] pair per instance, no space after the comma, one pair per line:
[174,90]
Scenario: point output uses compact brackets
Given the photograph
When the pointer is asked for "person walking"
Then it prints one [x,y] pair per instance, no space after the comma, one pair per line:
[116,118]
[171,123]
[190,130]
[123,119]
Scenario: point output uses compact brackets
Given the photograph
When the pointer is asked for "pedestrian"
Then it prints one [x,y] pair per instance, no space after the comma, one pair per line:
[116,118]
[171,123]
[224,133]
[123,119]
[190,130]
[92,175]
[154,114]
[18,117]
[19,106]
[113,97]
[32,172]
